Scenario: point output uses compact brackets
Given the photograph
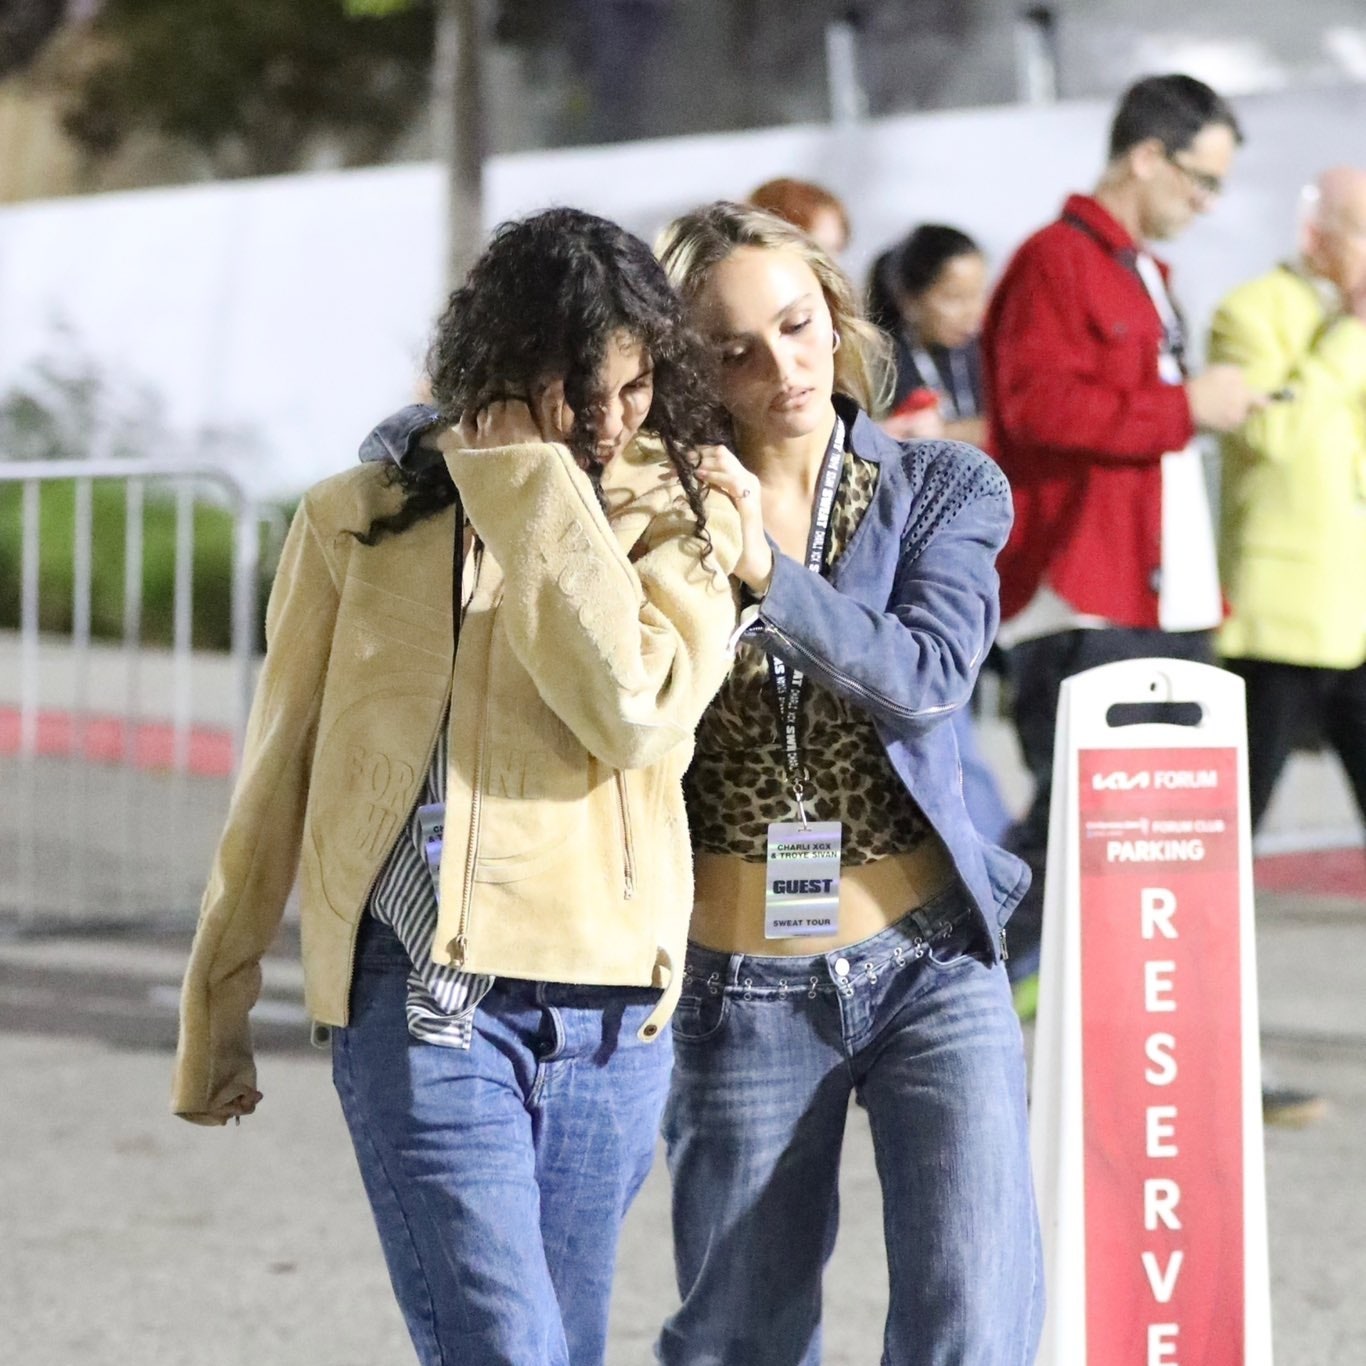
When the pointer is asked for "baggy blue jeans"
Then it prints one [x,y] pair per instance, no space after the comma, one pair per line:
[499,1177]
[767,1053]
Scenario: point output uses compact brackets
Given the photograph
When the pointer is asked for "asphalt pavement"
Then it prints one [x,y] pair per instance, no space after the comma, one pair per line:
[129,1236]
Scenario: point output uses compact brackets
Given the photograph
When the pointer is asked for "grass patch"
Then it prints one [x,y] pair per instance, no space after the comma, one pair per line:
[211,612]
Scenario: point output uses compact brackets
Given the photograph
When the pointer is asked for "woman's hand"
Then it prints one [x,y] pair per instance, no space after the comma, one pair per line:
[720,469]
[514,422]
[234,1108]
[553,415]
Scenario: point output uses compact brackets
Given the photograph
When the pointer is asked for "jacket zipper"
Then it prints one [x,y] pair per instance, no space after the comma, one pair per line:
[627,840]
[855,687]
[459,946]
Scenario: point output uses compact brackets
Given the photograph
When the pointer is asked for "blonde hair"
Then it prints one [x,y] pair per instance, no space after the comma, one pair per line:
[692,246]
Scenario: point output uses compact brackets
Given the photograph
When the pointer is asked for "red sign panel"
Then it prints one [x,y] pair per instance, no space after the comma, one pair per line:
[1162,1057]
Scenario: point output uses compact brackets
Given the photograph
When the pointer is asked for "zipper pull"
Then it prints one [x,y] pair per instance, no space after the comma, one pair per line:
[1005,952]
[747,618]
[458,948]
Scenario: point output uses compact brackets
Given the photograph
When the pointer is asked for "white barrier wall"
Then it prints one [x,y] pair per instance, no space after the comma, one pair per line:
[297,310]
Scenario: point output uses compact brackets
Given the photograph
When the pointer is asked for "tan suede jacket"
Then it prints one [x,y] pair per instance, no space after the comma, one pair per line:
[589,648]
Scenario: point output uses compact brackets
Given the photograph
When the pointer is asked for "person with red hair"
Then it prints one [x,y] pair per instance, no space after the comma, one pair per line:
[808,206]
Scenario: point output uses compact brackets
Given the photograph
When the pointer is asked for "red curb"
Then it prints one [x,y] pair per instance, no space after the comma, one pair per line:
[1315,872]
[114,740]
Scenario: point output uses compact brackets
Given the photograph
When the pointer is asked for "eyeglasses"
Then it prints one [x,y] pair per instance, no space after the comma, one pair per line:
[1207,184]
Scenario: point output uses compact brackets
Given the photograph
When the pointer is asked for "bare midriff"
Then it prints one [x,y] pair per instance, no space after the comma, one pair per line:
[728,902]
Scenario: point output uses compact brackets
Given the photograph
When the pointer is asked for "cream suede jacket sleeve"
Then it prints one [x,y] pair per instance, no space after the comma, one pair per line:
[255,863]
[626,648]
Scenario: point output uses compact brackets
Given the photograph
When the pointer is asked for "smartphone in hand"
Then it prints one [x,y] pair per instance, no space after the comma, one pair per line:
[917,401]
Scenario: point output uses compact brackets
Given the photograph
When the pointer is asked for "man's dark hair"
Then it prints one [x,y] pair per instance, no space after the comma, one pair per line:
[1173,109]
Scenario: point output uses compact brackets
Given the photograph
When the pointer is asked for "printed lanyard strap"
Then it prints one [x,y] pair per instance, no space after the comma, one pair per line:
[1145,270]
[958,390]
[788,687]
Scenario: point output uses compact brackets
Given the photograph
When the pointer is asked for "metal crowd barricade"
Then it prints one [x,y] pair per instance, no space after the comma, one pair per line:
[116,759]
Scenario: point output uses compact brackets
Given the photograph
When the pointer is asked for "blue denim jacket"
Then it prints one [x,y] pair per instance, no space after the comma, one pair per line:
[901,627]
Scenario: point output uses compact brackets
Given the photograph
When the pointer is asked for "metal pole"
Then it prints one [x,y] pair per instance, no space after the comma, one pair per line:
[182,642]
[28,705]
[130,844]
[28,622]
[848,98]
[246,568]
[78,771]
[1036,54]
[458,134]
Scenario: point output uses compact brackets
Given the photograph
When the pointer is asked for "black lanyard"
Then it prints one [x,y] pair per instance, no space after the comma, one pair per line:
[1173,326]
[457,578]
[789,688]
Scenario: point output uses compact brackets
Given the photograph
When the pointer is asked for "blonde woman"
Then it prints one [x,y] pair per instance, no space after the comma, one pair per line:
[847,933]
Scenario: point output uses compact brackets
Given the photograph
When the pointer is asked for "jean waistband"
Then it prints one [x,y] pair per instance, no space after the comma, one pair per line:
[908,938]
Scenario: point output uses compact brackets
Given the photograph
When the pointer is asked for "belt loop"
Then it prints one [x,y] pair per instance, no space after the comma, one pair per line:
[921,922]
[734,966]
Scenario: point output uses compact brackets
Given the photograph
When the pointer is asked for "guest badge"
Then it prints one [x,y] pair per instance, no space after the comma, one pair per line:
[802,890]
[431,821]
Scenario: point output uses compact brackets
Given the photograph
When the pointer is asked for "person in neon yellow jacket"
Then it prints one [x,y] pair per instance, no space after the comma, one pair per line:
[1293,522]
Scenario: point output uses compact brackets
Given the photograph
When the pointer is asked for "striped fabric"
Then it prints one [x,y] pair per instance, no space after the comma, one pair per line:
[441,1001]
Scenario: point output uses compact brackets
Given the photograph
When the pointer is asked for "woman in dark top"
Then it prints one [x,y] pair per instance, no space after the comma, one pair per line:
[929,295]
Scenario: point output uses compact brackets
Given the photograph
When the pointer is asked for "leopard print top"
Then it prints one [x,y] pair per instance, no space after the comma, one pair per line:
[737,782]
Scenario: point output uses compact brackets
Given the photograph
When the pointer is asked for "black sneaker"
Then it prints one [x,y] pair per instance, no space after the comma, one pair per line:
[1288,1108]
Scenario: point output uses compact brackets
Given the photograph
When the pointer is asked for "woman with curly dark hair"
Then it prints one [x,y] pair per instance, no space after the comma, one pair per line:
[489,645]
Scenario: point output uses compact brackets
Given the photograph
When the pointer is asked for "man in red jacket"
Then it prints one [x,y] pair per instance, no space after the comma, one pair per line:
[1092,415]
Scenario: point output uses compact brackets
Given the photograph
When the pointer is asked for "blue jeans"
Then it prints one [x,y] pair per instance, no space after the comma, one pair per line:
[499,1177]
[767,1052]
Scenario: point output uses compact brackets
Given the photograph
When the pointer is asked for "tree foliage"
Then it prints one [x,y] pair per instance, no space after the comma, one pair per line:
[250,82]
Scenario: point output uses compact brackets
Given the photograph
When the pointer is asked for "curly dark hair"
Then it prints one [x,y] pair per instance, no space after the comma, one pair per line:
[544,299]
